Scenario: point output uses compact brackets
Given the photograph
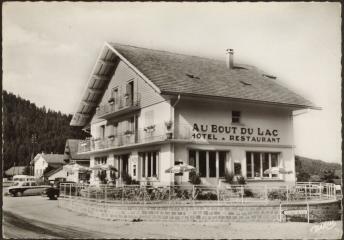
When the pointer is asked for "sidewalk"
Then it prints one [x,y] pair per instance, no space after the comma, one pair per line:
[44,210]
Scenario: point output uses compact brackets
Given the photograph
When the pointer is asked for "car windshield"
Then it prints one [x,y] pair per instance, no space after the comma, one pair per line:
[15,184]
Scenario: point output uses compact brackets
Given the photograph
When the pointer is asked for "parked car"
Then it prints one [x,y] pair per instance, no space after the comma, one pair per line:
[26,188]
[53,192]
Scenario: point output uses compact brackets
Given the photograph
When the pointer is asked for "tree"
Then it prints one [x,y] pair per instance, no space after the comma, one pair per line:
[22,119]
[302,176]
[26,170]
[328,176]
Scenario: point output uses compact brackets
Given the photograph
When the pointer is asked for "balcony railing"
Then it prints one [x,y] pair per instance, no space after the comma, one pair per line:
[152,133]
[120,105]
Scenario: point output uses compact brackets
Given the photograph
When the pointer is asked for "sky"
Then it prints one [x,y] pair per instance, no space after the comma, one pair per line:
[49,49]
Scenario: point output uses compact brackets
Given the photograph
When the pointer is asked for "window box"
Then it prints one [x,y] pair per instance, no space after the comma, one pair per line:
[111,101]
[128,132]
[168,125]
[149,129]
[111,137]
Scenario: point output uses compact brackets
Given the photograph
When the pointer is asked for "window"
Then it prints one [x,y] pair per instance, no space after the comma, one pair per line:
[210,164]
[149,164]
[114,94]
[236,116]
[130,93]
[100,160]
[258,162]
[102,132]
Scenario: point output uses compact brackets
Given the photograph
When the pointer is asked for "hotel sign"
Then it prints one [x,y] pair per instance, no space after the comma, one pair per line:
[215,132]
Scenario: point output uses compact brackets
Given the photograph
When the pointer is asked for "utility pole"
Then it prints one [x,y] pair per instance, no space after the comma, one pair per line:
[33,142]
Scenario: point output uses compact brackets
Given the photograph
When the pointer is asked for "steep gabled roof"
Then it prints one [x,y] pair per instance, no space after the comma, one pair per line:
[183,74]
[71,150]
[52,159]
[173,73]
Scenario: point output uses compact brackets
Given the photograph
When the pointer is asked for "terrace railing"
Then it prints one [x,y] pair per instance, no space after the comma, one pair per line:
[193,194]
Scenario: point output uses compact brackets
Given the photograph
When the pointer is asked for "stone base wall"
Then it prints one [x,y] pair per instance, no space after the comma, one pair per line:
[197,213]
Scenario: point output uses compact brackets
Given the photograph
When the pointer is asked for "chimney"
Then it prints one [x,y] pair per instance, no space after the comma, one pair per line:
[229,60]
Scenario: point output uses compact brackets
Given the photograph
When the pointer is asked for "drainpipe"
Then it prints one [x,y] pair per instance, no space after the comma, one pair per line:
[172,145]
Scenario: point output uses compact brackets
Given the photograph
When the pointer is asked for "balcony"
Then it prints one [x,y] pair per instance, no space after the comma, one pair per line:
[149,134]
[119,106]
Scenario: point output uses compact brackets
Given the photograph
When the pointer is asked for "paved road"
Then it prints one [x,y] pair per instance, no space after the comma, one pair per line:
[37,217]
[16,226]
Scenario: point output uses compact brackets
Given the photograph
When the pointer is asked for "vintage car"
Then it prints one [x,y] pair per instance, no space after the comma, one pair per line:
[27,188]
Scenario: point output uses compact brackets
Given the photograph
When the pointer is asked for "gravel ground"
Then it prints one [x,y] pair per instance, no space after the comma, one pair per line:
[37,217]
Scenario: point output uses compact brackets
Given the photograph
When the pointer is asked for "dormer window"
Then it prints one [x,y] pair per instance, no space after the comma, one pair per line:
[236,116]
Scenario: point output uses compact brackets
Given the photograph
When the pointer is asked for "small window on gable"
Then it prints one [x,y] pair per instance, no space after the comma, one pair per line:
[236,116]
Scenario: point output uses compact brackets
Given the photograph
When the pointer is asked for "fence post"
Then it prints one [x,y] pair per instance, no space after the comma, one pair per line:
[169,195]
[266,192]
[306,192]
[242,193]
[218,193]
[122,193]
[70,190]
[287,193]
[320,186]
[193,194]
[105,193]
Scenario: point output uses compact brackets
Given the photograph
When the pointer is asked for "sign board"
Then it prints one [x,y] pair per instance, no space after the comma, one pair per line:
[217,132]
[295,212]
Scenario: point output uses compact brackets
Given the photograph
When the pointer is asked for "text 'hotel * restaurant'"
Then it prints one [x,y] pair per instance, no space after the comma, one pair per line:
[148,110]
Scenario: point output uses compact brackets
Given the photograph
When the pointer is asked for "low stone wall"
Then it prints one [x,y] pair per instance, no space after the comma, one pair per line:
[214,212]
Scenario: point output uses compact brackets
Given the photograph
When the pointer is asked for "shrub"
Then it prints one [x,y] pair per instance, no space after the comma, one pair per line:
[241,180]
[229,178]
[128,179]
[102,176]
[206,195]
[277,195]
[248,193]
[194,178]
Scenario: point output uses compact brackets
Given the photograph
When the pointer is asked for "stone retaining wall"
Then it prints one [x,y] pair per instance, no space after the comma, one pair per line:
[197,213]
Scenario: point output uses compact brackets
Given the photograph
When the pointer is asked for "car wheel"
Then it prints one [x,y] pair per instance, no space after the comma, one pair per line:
[19,194]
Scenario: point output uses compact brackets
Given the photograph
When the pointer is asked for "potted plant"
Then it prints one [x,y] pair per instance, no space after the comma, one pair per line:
[111,100]
[111,137]
[150,128]
[128,132]
[168,125]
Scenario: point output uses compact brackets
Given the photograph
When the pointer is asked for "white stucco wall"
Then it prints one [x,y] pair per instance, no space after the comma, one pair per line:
[269,119]
[39,166]
[60,174]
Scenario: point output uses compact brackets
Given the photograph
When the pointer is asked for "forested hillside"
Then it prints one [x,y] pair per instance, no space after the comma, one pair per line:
[23,119]
[308,169]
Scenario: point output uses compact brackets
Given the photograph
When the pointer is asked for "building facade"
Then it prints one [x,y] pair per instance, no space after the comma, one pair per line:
[43,161]
[148,110]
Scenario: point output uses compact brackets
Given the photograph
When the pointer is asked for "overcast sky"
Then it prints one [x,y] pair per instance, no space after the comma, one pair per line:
[49,50]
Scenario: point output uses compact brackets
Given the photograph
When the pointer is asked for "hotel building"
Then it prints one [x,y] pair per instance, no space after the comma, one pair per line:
[148,110]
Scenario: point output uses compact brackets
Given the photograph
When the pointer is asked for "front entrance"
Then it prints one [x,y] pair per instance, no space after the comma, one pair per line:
[209,164]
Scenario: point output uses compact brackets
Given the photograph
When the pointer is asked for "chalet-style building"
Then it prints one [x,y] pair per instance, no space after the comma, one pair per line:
[148,109]
[42,161]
